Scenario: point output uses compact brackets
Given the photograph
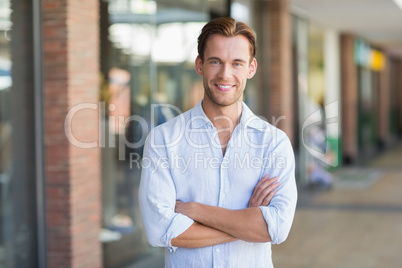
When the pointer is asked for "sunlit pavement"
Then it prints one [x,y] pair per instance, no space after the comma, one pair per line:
[357,223]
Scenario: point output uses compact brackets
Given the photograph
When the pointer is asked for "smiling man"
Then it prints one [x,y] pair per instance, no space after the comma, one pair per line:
[237,193]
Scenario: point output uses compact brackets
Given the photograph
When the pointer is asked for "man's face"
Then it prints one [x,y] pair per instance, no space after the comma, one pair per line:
[225,69]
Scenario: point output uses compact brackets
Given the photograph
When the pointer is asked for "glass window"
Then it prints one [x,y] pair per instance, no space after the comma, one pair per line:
[18,237]
[148,50]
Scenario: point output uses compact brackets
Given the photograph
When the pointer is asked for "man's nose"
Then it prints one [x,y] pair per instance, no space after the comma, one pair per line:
[225,71]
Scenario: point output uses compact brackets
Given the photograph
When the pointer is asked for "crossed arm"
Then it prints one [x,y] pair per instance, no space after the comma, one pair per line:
[216,225]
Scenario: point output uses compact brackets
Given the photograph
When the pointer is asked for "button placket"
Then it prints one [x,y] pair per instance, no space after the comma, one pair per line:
[218,258]
[224,181]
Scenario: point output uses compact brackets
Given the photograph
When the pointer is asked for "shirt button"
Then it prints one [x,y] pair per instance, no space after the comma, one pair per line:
[218,250]
[223,195]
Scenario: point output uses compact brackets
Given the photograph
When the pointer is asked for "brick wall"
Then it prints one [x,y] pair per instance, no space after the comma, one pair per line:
[349,96]
[71,68]
[281,97]
[260,22]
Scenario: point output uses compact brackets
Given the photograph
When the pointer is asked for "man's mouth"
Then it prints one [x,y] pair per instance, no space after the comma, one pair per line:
[224,87]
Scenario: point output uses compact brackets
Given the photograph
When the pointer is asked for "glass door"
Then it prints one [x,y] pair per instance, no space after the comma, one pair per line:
[18,228]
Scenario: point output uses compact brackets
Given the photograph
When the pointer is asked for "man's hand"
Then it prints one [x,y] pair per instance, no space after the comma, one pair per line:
[264,191]
[185,208]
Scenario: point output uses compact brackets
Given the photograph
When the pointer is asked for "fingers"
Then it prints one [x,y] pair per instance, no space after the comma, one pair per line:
[264,191]
[266,186]
[263,179]
[257,188]
[268,198]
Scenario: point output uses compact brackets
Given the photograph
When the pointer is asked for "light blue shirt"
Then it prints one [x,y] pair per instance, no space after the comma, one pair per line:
[183,160]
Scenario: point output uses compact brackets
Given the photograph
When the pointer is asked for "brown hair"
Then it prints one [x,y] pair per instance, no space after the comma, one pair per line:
[227,27]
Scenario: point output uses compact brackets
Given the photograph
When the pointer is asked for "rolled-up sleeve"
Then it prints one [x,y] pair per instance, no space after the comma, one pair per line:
[157,196]
[280,212]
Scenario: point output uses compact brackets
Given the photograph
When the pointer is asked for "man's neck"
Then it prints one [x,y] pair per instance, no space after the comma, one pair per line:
[227,117]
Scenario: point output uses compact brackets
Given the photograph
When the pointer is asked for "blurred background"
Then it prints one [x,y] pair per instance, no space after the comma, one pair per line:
[83,82]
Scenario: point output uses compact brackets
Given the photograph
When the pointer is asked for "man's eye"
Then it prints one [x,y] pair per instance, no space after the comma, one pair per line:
[215,62]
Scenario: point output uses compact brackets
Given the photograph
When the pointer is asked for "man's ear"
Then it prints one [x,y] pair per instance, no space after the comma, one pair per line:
[252,69]
[198,66]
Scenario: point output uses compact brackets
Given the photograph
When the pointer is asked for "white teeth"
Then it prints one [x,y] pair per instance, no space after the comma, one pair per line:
[224,86]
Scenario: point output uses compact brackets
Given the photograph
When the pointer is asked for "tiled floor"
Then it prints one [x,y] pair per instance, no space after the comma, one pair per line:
[356,226]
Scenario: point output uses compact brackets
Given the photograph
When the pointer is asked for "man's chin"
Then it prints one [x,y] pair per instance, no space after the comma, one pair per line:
[224,103]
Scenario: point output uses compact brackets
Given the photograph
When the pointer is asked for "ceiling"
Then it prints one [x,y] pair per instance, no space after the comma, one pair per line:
[378,21]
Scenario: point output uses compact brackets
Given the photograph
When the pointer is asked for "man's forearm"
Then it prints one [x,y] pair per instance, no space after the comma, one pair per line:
[198,236]
[245,224]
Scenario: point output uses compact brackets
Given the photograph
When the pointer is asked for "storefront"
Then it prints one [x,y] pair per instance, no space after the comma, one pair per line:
[148,50]
[370,64]
[142,76]
[147,76]
[316,75]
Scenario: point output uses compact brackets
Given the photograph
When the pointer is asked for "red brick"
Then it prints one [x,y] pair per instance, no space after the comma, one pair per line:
[280,94]
[73,186]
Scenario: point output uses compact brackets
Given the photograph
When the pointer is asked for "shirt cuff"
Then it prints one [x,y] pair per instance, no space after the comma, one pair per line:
[270,219]
[179,225]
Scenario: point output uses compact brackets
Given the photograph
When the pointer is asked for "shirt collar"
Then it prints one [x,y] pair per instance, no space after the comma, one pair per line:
[248,118]
[198,117]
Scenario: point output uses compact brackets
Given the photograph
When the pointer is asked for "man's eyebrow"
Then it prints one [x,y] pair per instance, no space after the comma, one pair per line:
[217,58]
[241,60]
[214,58]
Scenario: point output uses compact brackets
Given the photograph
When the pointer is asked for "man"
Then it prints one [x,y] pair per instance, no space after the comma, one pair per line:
[218,184]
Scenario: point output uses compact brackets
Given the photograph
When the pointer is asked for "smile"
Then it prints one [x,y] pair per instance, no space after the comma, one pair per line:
[224,87]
